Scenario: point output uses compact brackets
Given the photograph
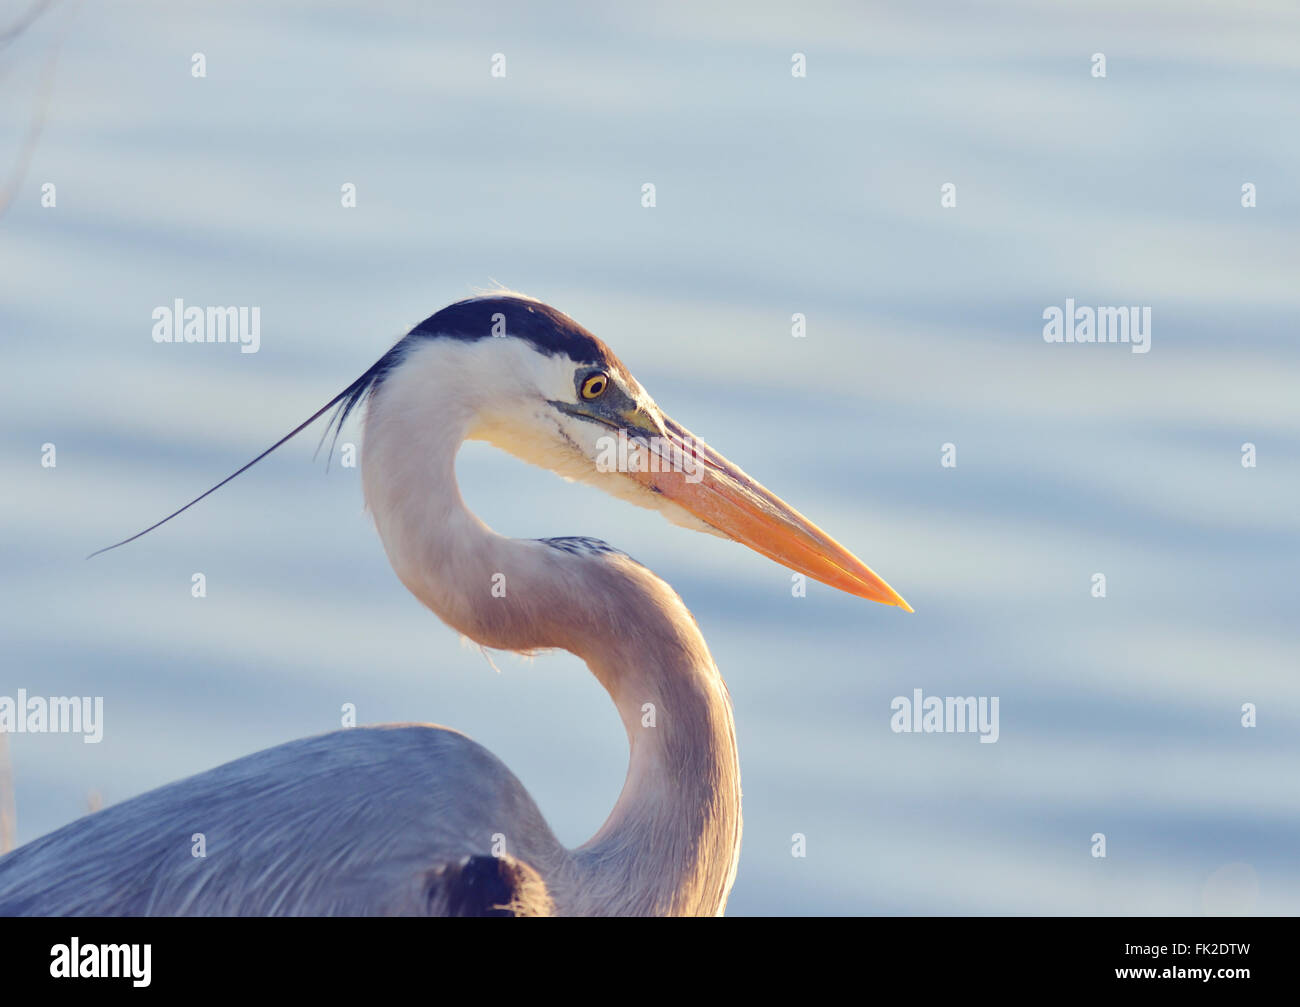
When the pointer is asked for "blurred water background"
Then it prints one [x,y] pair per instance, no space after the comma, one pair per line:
[775,195]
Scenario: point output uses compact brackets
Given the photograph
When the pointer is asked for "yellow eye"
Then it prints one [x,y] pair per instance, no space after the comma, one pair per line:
[594,387]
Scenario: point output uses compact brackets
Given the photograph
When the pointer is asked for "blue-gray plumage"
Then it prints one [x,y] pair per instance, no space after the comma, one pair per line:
[341,824]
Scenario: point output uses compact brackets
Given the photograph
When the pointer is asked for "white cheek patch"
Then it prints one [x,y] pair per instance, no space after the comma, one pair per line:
[496,371]
[509,383]
[556,378]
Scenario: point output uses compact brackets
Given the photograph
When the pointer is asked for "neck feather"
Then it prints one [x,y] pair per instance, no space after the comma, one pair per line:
[671,843]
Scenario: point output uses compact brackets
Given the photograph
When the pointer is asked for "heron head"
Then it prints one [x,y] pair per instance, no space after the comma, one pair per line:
[535,383]
[513,371]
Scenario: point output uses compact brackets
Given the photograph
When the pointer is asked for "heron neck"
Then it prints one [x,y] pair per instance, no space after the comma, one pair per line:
[671,843]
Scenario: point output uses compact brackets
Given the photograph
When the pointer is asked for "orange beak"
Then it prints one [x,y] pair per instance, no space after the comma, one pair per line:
[701,481]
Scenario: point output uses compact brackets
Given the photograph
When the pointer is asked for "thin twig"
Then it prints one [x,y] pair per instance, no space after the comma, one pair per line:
[8,816]
[46,89]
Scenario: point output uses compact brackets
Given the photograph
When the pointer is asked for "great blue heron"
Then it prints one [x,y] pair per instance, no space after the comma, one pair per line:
[419,819]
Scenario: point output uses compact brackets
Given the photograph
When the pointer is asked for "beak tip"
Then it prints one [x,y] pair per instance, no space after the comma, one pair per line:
[880,591]
[893,598]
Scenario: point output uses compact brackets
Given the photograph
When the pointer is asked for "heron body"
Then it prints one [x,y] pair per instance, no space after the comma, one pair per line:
[419,819]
